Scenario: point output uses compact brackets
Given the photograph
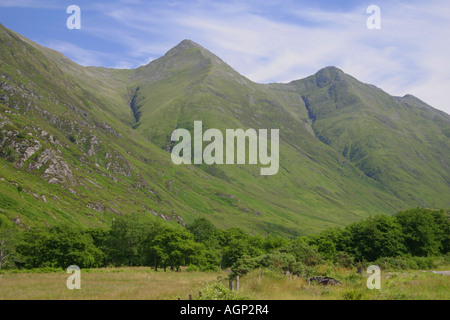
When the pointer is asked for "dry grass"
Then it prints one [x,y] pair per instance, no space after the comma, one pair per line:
[411,285]
[105,284]
[142,283]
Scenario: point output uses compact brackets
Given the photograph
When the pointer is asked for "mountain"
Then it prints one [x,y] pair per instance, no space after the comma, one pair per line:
[85,144]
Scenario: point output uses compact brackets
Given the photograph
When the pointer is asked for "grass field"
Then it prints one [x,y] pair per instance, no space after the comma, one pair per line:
[143,283]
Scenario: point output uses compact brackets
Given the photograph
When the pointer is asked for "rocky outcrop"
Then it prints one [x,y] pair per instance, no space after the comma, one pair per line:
[323,281]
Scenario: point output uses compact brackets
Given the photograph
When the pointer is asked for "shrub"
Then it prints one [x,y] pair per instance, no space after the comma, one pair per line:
[217,291]
[303,253]
[353,295]
[9,154]
[343,259]
[192,268]
[72,139]
[407,263]
[243,266]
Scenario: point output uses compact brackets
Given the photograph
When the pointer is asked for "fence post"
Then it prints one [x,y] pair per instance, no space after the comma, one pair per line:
[237,283]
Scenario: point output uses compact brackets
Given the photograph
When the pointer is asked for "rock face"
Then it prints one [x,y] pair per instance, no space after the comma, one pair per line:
[58,172]
[323,281]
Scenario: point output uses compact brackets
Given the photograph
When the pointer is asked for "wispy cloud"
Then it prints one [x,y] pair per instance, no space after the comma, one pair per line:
[274,41]
[28,4]
[86,57]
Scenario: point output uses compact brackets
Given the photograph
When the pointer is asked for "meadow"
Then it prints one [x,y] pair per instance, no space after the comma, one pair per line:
[141,283]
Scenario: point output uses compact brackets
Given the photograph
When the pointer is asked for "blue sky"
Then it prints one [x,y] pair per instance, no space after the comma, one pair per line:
[265,40]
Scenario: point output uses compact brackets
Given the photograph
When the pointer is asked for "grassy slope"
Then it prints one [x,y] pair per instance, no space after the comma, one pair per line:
[116,170]
[400,142]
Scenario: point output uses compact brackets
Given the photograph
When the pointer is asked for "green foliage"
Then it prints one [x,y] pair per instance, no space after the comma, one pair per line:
[204,231]
[407,263]
[353,295]
[134,240]
[416,232]
[170,247]
[296,257]
[426,232]
[9,238]
[192,268]
[379,236]
[125,242]
[238,244]
[217,291]
[303,253]
[243,266]
[72,138]
[59,246]
[9,154]
[343,259]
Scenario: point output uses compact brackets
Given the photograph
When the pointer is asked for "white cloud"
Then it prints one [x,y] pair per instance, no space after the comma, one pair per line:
[27,4]
[79,55]
[273,41]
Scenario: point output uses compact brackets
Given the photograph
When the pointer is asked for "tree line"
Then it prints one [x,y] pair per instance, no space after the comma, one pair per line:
[133,240]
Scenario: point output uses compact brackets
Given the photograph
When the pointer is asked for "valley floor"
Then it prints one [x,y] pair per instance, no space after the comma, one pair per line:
[145,284]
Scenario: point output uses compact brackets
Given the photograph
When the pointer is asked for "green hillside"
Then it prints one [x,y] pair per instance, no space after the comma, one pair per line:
[86,144]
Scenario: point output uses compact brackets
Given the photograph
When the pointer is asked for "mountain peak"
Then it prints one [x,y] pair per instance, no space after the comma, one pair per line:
[328,74]
[189,50]
[189,43]
[185,45]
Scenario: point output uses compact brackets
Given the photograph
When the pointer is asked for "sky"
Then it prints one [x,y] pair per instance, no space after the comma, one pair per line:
[264,40]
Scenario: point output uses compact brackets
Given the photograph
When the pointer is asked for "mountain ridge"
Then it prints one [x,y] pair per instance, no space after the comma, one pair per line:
[93,142]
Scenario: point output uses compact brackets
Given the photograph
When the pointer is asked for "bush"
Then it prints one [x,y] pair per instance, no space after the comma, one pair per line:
[425,263]
[279,260]
[217,291]
[353,295]
[379,236]
[343,259]
[58,247]
[303,253]
[243,266]
[425,231]
[301,270]
[72,139]
[192,268]
[406,263]
[9,154]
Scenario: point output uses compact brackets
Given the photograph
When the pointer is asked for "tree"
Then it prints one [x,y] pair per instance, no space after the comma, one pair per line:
[58,246]
[425,231]
[172,247]
[126,241]
[272,242]
[442,219]
[241,246]
[204,232]
[379,236]
[302,252]
[8,242]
